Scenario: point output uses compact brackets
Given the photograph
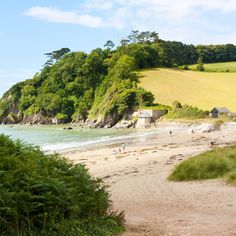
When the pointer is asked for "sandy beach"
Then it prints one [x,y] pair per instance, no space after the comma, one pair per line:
[154,206]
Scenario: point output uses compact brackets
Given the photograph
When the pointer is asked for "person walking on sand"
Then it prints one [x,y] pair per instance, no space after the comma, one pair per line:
[123,147]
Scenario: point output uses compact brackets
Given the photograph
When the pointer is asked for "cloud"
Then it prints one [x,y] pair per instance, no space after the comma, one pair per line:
[99,4]
[200,17]
[68,17]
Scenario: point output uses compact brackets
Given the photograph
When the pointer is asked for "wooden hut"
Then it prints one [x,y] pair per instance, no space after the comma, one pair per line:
[217,111]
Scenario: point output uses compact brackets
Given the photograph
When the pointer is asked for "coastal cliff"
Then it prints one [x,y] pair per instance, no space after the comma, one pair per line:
[97,89]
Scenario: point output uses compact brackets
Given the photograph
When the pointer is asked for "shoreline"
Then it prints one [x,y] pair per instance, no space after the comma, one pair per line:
[154,206]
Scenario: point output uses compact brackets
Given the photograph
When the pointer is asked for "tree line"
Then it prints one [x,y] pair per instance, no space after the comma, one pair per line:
[102,85]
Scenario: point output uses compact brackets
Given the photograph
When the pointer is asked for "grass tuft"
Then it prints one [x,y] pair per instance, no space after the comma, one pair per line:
[209,165]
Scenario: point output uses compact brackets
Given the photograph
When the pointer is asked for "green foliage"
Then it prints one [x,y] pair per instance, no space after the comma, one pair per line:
[186,111]
[157,106]
[200,66]
[109,44]
[144,98]
[47,195]
[56,55]
[176,105]
[184,67]
[217,53]
[230,178]
[209,165]
[217,67]
[74,83]
[118,94]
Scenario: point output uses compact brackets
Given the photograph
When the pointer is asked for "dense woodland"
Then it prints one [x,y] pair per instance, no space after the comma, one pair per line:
[100,87]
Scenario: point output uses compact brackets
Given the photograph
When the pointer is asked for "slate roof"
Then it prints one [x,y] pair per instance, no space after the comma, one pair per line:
[220,110]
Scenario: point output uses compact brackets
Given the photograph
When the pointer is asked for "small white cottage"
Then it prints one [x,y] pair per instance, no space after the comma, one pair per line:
[148,116]
[144,120]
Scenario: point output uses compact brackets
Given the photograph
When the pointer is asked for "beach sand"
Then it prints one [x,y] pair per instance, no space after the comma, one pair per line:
[154,206]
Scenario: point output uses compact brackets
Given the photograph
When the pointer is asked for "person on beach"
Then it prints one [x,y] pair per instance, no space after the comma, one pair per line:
[123,147]
[170,132]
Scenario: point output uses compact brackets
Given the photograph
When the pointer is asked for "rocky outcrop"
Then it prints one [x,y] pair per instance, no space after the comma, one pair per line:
[107,121]
[125,124]
[36,119]
[11,118]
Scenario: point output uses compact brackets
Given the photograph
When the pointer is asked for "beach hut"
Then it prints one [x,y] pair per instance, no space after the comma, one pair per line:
[218,111]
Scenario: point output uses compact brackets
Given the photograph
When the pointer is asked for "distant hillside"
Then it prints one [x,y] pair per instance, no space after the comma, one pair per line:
[217,67]
[202,89]
[101,87]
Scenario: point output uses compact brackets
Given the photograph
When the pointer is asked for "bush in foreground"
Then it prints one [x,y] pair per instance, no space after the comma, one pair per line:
[209,165]
[47,195]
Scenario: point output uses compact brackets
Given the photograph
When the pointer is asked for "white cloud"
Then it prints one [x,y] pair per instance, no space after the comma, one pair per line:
[99,4]
[55,15]
[181,17]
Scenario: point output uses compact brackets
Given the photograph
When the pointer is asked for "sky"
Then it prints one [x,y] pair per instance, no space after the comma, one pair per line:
[30,28]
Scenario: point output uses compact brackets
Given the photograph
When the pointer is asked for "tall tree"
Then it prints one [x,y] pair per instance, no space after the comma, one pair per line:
[55,56]
[109,45]
[124,42]
[200,66]
[133,37]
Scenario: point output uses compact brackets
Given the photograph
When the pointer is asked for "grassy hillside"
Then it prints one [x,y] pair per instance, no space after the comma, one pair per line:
[217,67]
[202,89]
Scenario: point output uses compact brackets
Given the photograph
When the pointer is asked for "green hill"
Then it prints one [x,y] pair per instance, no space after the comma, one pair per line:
[101,87]
[217,67]
[202,89]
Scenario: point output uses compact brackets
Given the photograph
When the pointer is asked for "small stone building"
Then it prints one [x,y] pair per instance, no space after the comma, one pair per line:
[148,116]
[216,112]
[144,120]
[156,114]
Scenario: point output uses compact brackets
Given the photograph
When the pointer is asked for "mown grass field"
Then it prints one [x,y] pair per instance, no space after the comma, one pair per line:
[202,89]
[217,67]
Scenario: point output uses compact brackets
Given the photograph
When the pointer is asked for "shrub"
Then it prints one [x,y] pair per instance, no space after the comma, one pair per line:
[176,105]
[48,195]
[186,111]
[185,67]
[200,66]
[231,177]
[208,165]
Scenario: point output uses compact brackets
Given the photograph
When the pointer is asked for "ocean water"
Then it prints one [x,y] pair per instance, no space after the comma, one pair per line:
[56,138]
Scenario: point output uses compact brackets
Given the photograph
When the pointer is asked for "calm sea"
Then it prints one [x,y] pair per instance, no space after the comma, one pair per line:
[56,138]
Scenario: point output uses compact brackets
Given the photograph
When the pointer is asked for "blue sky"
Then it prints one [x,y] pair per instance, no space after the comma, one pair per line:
[30,28]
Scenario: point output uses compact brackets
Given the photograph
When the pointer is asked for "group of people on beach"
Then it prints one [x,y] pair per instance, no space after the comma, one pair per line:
[121,149]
